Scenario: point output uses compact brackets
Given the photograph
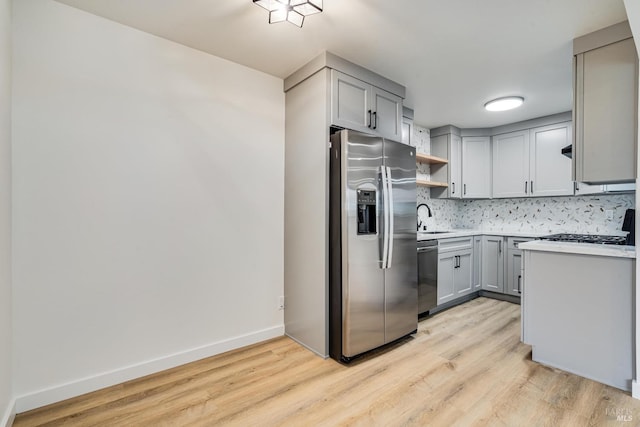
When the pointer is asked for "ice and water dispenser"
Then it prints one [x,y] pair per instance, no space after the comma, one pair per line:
[366,212]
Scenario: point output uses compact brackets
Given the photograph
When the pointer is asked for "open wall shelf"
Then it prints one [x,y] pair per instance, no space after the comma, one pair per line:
[431,183]
[432,160]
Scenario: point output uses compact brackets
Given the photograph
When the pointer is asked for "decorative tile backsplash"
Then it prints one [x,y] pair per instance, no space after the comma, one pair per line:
[580,214]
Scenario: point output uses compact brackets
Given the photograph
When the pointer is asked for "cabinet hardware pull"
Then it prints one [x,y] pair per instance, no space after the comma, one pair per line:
[500,246]
[531,187]
[464,189]
[453,190]
[519,285]
[525,187]
[375,119]
[369,125]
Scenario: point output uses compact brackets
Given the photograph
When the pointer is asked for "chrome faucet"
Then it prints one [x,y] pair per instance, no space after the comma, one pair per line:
[418,211]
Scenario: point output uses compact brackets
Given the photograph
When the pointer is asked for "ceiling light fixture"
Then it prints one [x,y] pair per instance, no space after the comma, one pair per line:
[292,11]
[503,104]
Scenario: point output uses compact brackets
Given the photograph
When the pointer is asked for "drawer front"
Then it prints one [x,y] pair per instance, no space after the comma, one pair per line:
[455,244]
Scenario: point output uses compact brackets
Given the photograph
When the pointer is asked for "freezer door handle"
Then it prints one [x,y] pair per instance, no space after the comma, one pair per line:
[391,215]
[385,219]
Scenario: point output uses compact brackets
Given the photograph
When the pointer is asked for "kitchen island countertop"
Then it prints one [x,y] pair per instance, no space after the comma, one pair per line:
[619,251]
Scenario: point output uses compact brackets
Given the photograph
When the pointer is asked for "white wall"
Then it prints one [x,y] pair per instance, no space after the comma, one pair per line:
[5,212]
[148,203]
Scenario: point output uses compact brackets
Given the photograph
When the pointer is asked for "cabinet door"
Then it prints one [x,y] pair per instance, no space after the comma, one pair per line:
[463,273]
[492,264]
[549,169]
[350,103]
[514,273]
[455,167]
[510,154]
[446,266]
[407,131]
[606,113]
[476,167]
[447,146]
[387,114]
[477,263]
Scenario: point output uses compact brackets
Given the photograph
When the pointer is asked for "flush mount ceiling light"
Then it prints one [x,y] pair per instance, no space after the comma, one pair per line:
[293,11]
[504,104]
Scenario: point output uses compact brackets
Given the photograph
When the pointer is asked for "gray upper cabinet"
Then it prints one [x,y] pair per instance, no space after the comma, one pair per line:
[511,164]
[468,172]
[522,159]
[407,126]
[447,146]
[529,163]
[605,106]
[360,106]
[387,114]
[549,170]
[476,167]
[350,102]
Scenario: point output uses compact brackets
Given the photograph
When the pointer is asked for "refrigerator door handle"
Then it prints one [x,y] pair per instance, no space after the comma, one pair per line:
[391,215]
[385,208]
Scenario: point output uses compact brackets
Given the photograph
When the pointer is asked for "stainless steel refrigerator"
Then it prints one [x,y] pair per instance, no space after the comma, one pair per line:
[373,290]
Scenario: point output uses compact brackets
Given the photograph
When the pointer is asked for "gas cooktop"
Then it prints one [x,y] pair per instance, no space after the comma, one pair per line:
[586,238]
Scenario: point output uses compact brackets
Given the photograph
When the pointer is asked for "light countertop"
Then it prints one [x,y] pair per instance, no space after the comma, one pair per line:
[540,245]
[619,251]
[467,233]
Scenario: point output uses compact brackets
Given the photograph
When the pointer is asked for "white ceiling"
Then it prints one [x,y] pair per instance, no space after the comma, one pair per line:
[452,55]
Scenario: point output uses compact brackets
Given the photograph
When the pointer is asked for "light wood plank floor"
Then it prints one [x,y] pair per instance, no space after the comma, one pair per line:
[465,366]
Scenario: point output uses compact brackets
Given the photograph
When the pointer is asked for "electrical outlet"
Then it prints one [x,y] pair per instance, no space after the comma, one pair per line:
[280,303]
[608,214]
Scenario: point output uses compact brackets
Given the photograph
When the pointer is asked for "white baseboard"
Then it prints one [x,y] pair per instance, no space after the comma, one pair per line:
[635,389]
[9,414]
[96,382]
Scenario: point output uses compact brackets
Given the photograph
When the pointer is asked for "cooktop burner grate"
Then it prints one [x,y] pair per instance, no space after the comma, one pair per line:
[586,238]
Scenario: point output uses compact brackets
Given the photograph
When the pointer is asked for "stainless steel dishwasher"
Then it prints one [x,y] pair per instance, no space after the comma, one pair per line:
[427,275]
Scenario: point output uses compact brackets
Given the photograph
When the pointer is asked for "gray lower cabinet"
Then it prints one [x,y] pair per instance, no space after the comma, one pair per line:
[470,264]
[446,269]
[513,285]
[501,263]
[493,263]
[463,272]
[477,263]
[514,275]
[455,268]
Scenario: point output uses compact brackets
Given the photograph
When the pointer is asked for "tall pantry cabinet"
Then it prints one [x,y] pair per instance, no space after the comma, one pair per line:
[327,92]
